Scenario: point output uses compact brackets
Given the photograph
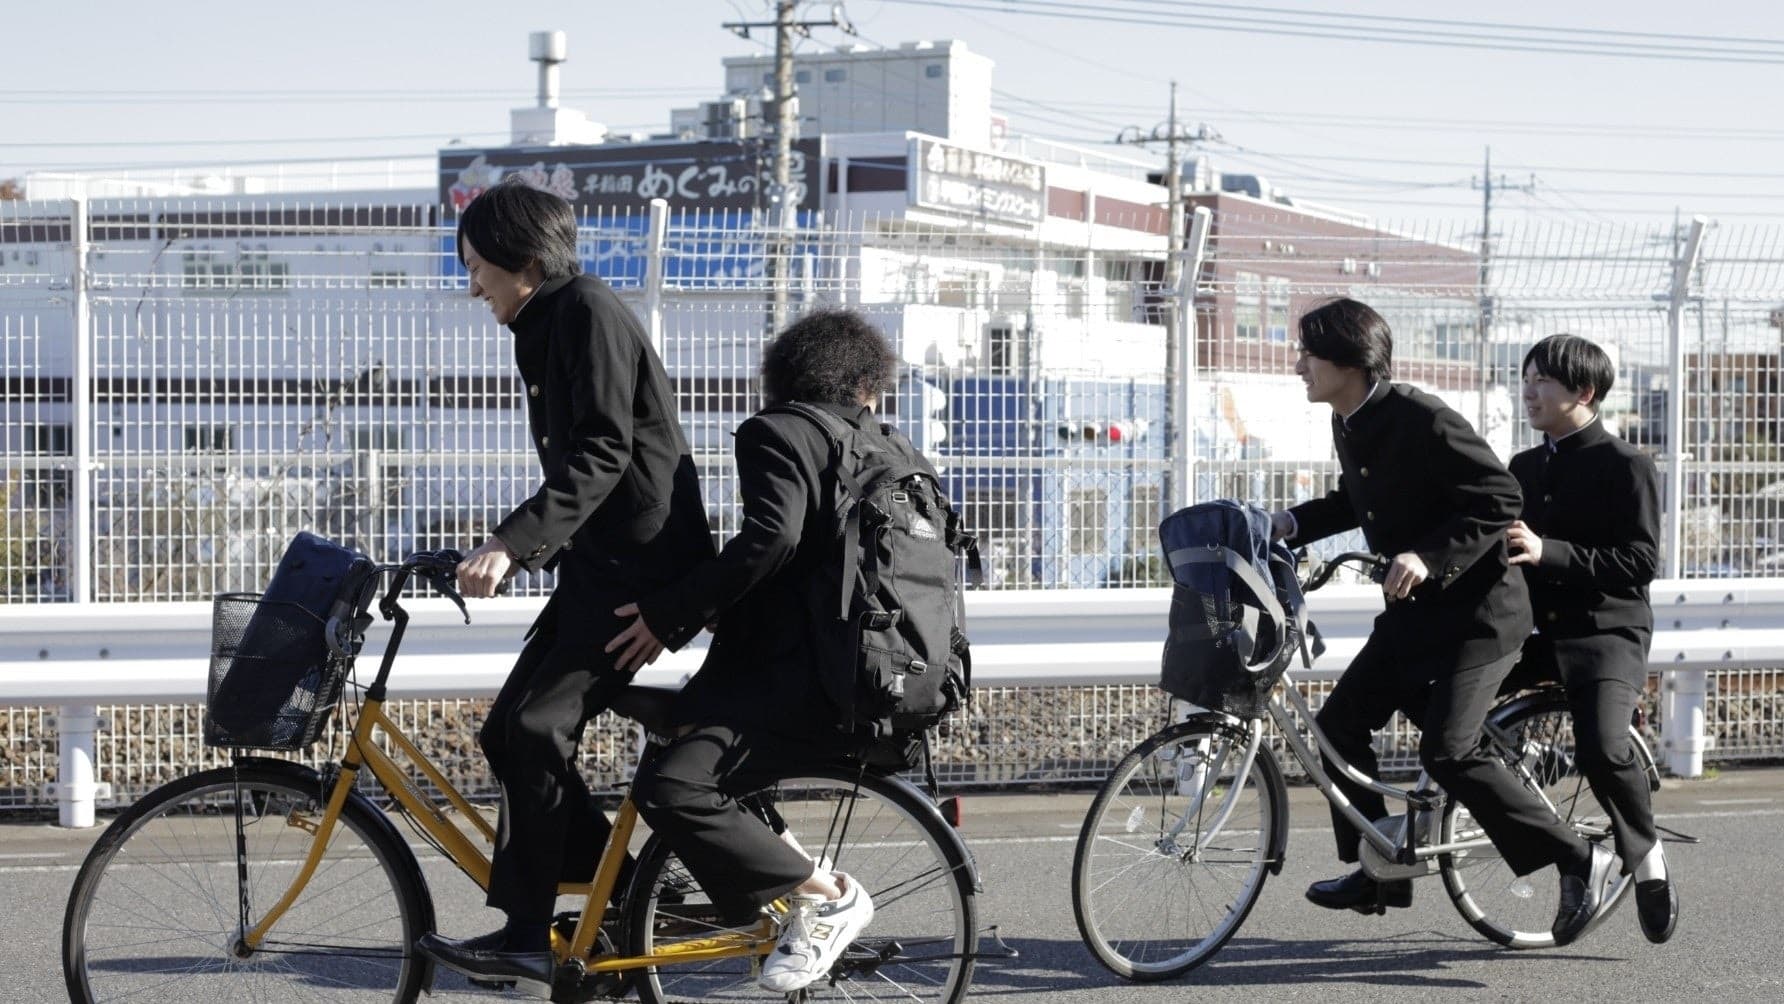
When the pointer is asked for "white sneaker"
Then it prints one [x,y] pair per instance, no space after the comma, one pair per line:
[813,936]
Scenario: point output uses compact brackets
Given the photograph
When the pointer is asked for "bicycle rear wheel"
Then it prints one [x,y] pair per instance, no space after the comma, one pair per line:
[883,833]
[1175,849]
[155,913]
[1508,909]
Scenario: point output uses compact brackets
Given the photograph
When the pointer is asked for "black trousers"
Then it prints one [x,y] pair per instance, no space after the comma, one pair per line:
[1450,711]
[1605,753]
[550,828]
[1603,675]
[689,795]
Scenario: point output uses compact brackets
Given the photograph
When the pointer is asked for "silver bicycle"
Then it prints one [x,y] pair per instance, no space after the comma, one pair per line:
[1176,846]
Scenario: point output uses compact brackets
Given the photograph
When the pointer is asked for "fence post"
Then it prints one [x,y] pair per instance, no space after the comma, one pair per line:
[76,789]
[1683,691]
[653,273]
[1182,442]
[80,523]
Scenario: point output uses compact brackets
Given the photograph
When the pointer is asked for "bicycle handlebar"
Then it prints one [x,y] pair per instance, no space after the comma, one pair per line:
[1374,565]
[437,568]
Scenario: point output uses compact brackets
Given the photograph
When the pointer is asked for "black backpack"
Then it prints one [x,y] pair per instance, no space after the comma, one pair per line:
[892,593]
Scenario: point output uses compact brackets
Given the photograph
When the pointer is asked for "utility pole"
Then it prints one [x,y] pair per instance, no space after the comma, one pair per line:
[1173,135]
[783,210]
[1488,186]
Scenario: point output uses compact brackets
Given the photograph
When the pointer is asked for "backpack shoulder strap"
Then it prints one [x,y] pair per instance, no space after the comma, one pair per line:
[837,433]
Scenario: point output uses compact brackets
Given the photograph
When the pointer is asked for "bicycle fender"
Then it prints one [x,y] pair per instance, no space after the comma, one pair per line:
[949,833]
[306,776]
[1266,761]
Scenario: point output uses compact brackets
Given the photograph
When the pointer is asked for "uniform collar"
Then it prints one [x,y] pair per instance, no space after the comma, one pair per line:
[533,317]
[858,415]
[1376,394]
[1591,433]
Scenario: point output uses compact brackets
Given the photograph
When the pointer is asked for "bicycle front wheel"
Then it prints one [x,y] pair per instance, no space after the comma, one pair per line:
[881,831]
[1175,849]
[1518,911]
[157,911]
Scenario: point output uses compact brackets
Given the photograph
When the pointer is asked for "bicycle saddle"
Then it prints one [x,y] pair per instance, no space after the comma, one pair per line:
[648,706]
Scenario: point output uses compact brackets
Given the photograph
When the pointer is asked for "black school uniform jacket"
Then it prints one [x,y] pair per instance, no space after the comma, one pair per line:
[1416,477]
[619,509]
[1595,502]
[768,666]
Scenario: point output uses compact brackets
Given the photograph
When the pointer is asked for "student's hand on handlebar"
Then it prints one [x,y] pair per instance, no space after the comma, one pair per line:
[637,646]
[1526,546]
[1281,525]
[484,570]
[1404,574]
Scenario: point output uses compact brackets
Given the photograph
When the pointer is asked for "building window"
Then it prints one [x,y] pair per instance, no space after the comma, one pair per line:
[1248,323]
[382,438]
[1003,351]
[49,439]
[1277,292]
[209,438]
[835,76]
[933,71]
[389,279]
[802,76]
[204,272]
[1453,339]
[1087,523]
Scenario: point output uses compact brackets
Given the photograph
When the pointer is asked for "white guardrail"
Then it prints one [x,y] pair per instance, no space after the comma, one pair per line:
[77,657]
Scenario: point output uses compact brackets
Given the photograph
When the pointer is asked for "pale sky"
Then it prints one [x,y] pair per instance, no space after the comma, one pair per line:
[1384,127]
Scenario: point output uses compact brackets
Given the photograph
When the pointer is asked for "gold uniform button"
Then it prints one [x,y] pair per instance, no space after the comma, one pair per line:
[1364,471]
[1552,615]
[544,440]
[1548,498]
[533,390]
[1369,515]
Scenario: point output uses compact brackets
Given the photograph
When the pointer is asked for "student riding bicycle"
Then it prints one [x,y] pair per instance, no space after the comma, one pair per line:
[765,698]
[1427,490]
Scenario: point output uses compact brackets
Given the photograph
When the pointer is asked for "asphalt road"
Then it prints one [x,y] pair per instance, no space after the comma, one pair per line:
[1730,945]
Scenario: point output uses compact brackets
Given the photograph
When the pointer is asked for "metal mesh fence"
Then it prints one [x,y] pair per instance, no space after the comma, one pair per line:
[256,366]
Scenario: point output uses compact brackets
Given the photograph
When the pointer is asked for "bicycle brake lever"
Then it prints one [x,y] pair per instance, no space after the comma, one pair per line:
[445,580]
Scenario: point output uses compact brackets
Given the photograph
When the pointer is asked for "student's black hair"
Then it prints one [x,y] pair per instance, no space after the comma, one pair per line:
[512,224]
[1350,333]
[828,357]
[1574,363]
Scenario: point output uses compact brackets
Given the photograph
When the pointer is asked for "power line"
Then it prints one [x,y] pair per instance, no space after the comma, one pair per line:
[1450,22]
[105,144]
[1108,14]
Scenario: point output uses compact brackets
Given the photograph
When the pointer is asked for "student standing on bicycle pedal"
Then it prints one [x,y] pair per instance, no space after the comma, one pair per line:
[1428,492]
[758,705]
[1588,544]
[618,513]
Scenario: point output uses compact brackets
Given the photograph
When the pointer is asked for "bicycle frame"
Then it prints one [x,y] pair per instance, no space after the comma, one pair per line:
[364,754]
[1288,705]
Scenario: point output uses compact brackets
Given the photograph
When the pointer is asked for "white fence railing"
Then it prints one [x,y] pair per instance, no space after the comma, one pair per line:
[77,658]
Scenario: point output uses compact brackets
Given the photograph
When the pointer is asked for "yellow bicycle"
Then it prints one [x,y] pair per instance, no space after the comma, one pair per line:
[268,880]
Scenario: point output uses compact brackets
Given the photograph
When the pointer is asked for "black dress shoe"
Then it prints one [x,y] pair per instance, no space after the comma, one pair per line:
[1582,895]
[484,960]
[1357,891]
[1657,906]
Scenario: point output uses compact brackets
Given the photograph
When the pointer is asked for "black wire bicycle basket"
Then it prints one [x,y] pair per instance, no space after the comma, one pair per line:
[274,682]
[276,675]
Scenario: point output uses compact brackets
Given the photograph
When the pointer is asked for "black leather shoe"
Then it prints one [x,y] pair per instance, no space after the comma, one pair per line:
[1357,891]
[1582,895]
[1657,906]
[483,961]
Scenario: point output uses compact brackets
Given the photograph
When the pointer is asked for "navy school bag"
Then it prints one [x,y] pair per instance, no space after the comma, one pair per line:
[1237,615]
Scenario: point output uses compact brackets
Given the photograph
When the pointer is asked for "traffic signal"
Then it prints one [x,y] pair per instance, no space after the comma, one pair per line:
[1103,431]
